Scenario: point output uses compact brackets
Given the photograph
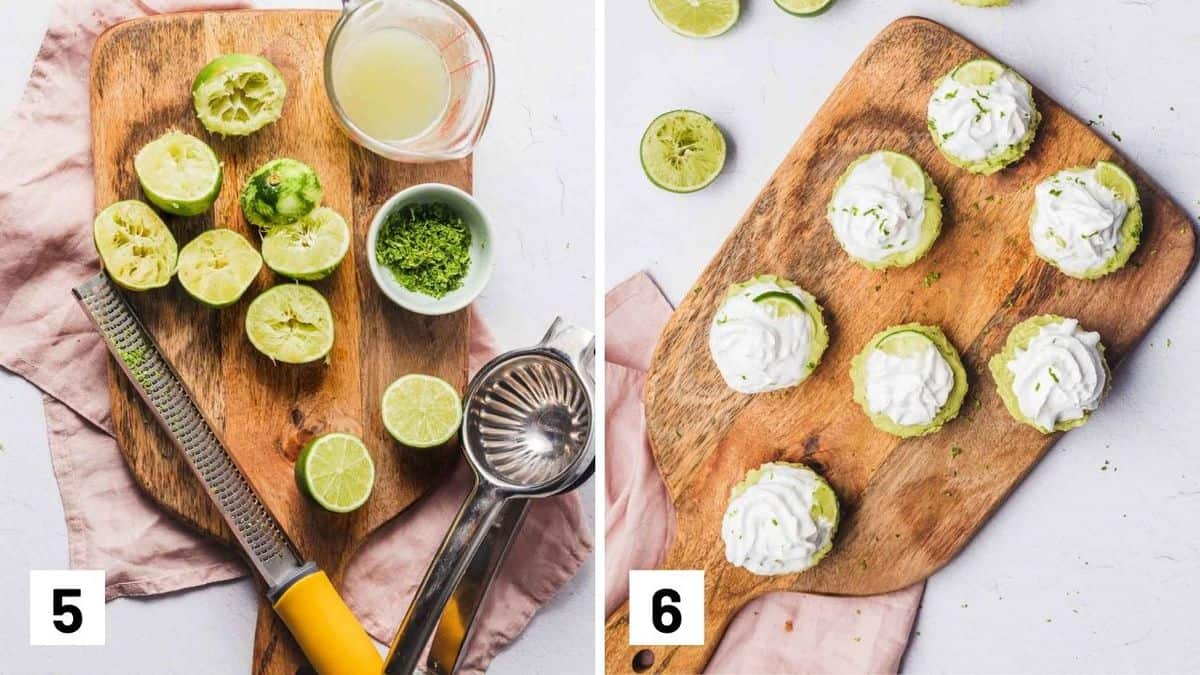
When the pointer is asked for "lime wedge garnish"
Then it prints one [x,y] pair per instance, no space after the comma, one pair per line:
[218,266]
[906,169]
[238,94]
[281,191]
[804,7]
[310,248]
[697,18]
[291,323]
[978,73]
[135,246]
[421,411]
[179,173]
[336,471]
[682,151]
[1114,178]
[984,3]
[905,343]
[780,303]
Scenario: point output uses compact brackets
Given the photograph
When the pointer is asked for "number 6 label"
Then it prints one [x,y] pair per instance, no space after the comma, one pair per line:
[66,607]
[666,607]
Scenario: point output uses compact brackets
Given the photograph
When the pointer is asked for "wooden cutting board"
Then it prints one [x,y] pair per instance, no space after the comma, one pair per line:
[142,72]
[909,506]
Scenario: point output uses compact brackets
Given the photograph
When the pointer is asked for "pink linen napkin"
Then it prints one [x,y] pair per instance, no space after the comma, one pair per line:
[45,159]
[775,633]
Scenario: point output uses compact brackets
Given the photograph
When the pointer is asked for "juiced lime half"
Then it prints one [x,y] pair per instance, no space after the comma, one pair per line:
[682,151]
[336,471]
[310,248]
[179,173]
[804,7]
[238,94]
[421,411]
[697,18]
[137,249]
[218,266]
[291,323]
[281,191]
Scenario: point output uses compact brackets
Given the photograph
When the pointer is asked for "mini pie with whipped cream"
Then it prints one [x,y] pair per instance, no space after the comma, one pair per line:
[768,334]
[886,211]
[1086,221]
[909,380]
[982,116]
[1051,373]
[781,519]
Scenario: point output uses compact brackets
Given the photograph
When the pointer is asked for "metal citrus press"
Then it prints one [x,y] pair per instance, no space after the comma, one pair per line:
[527,433]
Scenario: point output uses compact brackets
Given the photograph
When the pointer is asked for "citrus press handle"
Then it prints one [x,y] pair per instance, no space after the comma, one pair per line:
[576,344]
[444,573]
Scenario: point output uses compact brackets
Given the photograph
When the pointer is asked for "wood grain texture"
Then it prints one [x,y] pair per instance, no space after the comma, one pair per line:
[141,82]
[908,506]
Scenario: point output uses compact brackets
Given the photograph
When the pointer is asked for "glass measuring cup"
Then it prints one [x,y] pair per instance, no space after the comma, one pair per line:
[468,61]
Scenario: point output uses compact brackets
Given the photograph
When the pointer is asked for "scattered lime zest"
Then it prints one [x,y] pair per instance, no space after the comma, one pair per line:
[427,248]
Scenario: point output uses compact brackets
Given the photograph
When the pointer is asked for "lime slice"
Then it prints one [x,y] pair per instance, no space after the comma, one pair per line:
[217,267]
[984,3]
[336,471]
[804,7]
[905,343]
[281,191]
[135,246]
[780,303]
[238,94]
[906,169]
[978,73]
[310,248]
[421,411]
[682,151]
[1114,178]
[290,323]
[179,173]
[697,18]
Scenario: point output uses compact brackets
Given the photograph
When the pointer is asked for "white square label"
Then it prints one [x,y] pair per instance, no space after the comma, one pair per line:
[666,607]
[66,607]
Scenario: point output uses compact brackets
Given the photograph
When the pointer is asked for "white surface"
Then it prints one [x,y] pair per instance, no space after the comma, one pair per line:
[1083,570]
[533,172]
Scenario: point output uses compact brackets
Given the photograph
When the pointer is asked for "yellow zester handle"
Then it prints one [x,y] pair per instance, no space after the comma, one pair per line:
[327,631]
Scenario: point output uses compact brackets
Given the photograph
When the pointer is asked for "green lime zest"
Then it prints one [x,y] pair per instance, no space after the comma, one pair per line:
[427,248]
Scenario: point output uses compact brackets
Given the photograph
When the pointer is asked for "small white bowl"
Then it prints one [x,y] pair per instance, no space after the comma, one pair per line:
[482,262]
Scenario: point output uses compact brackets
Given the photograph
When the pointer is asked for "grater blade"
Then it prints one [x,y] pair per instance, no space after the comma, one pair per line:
[260,535]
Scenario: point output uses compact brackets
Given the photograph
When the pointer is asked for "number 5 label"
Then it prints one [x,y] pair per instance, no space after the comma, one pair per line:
[666,607]
[66,607]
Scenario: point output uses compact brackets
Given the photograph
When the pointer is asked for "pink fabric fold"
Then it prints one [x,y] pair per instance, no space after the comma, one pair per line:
[45,159]
[774,633]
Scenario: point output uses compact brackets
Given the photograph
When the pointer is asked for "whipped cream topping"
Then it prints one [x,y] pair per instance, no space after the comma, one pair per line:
[770,528]
[908,389]
[1077,221]
[875,214]
[1060,376]
[755,348]
[978,122]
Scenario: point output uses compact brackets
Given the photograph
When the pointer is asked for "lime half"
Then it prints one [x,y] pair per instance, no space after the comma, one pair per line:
[218,266]
[978,73]
[421,411]
[804,7]
[682,151]
[290,323]
[780,303]
[238,94]
[905,343]
[1114,178]
[336,471]
[179,173]
[310,248]
[697,18]
[135,246]
[281,191]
